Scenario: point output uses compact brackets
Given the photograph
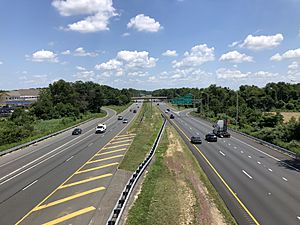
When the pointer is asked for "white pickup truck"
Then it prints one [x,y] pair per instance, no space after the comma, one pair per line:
[101,128]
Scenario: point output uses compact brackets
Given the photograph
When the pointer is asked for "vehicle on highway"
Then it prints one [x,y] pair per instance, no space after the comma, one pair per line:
[101,128]
[211,137]
[125,120]
[157,104]
[120,117]
[77,131]
[134,111]
[220,129]
[172,116]
[196,140]
[166,111]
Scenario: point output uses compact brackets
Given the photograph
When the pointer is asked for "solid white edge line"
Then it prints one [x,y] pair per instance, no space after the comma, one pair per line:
[69,158]
[222,153]
[29,185]
[247,174]
[284,179]
[270,169]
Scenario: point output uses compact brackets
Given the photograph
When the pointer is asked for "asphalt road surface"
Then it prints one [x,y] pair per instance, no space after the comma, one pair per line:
[258,184]
[65,178]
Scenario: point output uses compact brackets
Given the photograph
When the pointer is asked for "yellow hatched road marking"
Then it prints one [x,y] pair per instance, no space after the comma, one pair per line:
[104,159]
[96,168]
[117,142]
[69,198]
[110,152]
[86,180]
[116,146]
[70,216]
[122,138]
[221,178]
[125,135]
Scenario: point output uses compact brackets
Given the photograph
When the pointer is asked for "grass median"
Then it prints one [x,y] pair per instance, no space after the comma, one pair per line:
[176,190]
[146,128]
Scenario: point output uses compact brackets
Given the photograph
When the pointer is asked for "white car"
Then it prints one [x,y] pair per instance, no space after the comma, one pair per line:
[166,111]
[101,128]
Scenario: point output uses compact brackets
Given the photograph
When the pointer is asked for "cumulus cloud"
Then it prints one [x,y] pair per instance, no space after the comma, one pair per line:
[236,57]
[126,34]
[85,75]
[99,11]
[127,62]
[80,68]
[262,42]
[170,53]
[290,54]
[43,55]
[81,52]
[198,55]
[144,23]
[1,62]
[233,44]
[35,79]
[224,73]
[67,52]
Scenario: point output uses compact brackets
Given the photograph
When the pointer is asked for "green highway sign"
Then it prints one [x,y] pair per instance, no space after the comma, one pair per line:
[183,100]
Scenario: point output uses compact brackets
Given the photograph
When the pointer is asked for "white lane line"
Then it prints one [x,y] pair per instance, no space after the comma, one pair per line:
[222,153]
[234,147]
[298,217]
[229,144]
[29,185]
[284,179]
[242,152]
[224,141]
[18,174]
[191,128]
[247,174]
[197,133]
[270,169]
[249,156]
[69,158]
[258,162]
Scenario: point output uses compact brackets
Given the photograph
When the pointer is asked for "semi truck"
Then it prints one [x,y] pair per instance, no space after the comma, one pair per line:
[220,129]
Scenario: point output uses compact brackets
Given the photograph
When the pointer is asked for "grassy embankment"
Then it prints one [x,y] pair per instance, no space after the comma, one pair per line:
[119,108]
[176,190]
[45,127]
[146,132]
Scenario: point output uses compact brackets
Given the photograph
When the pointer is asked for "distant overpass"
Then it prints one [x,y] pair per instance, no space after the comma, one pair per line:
[149,98]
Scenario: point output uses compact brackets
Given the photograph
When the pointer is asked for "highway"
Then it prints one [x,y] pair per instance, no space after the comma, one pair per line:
[66,179]
[255,182]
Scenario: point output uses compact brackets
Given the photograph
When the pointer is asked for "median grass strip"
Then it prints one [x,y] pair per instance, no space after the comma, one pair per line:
[176,190]
[146,128]
[46,127]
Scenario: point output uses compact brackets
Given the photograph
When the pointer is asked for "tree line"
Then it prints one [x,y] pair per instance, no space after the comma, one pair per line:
[254,109]
[62,100]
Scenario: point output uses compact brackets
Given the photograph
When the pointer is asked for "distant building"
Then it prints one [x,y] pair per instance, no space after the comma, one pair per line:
[22,97]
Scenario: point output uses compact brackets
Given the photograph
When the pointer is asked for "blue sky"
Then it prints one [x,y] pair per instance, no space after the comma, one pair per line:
[149,44]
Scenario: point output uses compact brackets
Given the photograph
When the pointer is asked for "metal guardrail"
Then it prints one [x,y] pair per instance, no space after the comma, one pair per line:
[117,212]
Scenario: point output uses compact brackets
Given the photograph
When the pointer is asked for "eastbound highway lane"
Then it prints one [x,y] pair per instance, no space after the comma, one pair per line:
[29,177]
[258,187]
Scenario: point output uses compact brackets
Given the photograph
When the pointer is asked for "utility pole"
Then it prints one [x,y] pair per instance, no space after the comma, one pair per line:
[237,109]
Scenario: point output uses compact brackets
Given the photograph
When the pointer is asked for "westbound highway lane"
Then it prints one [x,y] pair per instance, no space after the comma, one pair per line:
[31,190]
[254,181]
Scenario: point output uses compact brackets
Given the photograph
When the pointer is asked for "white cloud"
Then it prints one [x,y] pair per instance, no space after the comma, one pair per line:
[126,34]
[1,62]
[136,60]
[99,11]
[262,42]
[170,53]
[198,55]
[235,56]
[81,52]
[290,54]
[67,52]
[224,73]
[35,80]
[44,55]
[85,75]
[80,68]
[144,23]
[233,44]
[293,66]
[132,63]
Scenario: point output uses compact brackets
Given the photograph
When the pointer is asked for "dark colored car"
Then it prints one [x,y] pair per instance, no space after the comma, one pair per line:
[120,117]
[134,111]
[168,110]
[172,116]
[77,131]
[196,140]
[211,137]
